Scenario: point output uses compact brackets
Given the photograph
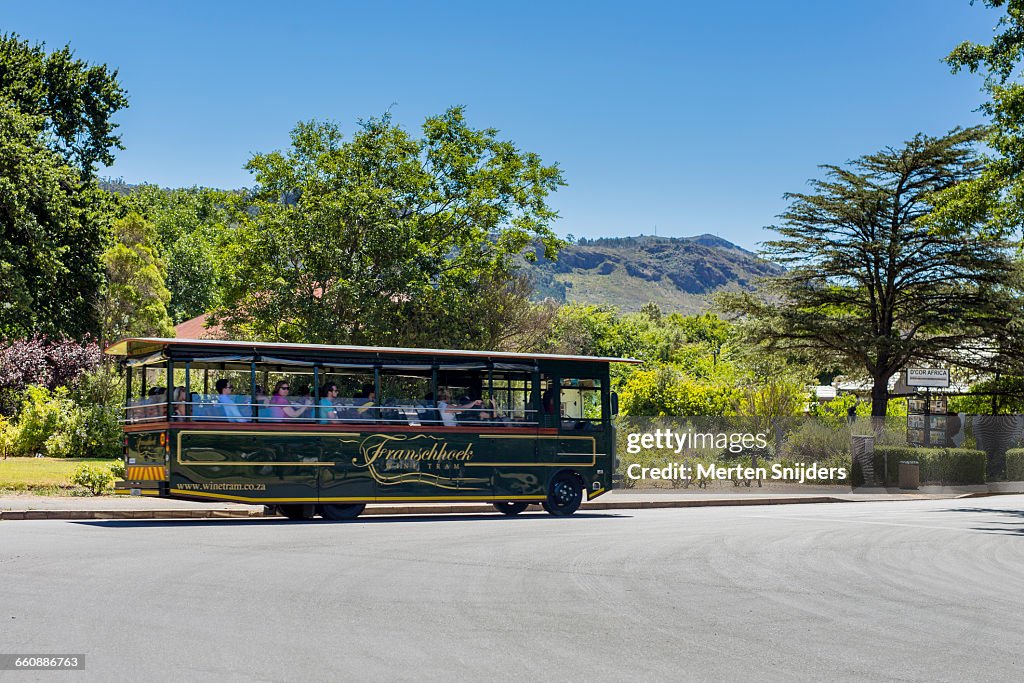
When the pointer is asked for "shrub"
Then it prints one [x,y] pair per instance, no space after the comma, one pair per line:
[8,437]
[92,477]
[41,413]
[1015,464]
[944,466]
[51,423]
[100,386]
[103,437]
[816,440]
[117,469]
[667,390]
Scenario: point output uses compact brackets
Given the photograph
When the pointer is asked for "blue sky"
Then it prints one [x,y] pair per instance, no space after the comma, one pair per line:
[689,116]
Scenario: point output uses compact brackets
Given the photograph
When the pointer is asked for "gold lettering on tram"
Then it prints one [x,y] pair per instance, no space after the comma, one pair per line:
[382,455]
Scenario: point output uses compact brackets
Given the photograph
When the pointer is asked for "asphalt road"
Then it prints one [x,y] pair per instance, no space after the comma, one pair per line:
[922,590]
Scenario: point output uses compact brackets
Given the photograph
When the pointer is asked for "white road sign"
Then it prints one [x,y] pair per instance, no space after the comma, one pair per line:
[927,377]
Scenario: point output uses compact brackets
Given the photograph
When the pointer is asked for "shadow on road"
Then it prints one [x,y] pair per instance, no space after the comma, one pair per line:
[1015,527]
[376,519]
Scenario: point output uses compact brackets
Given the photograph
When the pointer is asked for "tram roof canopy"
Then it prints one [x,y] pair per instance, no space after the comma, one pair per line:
[149,345]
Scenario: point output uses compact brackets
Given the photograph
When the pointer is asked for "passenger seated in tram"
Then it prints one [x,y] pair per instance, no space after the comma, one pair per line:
[365,402]
[328,412]
[156,404]
[427,412]
[181,410]
[491,412]
[448,411]
[226,402]
[280,408]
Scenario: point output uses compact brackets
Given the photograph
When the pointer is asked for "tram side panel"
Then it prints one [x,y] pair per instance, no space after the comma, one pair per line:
[418,465]
[246,466]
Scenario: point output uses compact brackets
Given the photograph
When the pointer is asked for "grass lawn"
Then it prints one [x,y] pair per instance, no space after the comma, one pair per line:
[45,476]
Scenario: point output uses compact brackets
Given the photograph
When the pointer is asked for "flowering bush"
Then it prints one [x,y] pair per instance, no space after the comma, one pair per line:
[43,362]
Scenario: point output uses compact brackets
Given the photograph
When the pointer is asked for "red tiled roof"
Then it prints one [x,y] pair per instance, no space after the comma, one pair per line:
[196,329]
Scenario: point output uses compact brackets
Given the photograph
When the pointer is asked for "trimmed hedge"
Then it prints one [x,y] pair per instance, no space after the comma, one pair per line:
[943,466]
[1015,464]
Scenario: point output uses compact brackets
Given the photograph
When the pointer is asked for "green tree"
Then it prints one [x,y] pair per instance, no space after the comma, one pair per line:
[134,300]
[191,276]
[70,100]
[583,329]
[870,285]
[995,195]
[383,238]
[193,227]
[52,230]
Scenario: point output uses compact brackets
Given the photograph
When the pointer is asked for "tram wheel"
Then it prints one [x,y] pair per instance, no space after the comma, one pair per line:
[297,512]
[564,495]
[337,513]
[510,508]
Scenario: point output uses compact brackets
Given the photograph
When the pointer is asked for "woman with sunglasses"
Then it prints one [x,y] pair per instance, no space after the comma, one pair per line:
[281,409]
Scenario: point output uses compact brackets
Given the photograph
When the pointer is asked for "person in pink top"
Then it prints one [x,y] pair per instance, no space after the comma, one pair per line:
[280,409]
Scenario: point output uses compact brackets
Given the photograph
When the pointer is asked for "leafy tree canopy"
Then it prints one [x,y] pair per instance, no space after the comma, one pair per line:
[384,237]
[193,227]
[52,229]
[134,300]
[71,100]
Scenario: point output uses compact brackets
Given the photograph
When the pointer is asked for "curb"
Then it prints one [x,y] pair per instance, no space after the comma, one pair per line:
[380,510]
[126,514]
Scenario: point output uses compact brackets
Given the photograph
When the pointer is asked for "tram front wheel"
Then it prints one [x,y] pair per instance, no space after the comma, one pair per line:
[337,513]
[564,495]
[510,507]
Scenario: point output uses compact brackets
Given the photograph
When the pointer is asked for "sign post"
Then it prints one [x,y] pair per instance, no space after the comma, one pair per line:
[926,417]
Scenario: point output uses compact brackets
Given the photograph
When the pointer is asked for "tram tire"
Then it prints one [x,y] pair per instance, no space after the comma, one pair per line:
[511,507]
[297,512]
[338,513]
[565,495]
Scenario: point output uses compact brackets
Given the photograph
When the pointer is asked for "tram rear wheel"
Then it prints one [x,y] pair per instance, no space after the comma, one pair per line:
[511,508]
[337,513]
[297,512]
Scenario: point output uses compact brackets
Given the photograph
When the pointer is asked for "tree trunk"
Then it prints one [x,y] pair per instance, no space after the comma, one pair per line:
[880,397]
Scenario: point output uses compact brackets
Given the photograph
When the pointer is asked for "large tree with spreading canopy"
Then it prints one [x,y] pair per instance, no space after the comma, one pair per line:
[387,238]
[873,283]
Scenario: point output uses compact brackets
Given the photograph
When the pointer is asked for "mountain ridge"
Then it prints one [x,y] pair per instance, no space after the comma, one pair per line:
[677,273]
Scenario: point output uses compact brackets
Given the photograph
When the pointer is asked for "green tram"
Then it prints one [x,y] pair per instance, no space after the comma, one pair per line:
[324,430]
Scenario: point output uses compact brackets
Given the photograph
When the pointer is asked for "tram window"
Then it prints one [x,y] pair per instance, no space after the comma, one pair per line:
[148,399]
[355,400]
[204,401]
[406,397]
[512,396]
[580,401]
